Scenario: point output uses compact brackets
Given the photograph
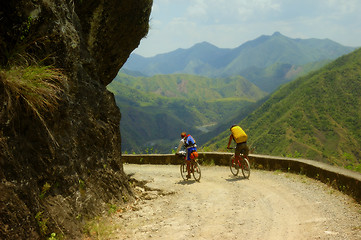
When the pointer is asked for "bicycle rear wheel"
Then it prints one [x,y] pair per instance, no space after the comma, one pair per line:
[183,170]
[246,169]
[196,171]
[233,165]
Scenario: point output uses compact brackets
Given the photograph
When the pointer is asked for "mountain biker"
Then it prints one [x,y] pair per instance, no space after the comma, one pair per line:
[240,137]
[189,143]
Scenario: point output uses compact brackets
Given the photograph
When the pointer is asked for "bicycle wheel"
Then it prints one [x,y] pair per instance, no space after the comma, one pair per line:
[196,170]
[246,169]
[233,165]
[183,170]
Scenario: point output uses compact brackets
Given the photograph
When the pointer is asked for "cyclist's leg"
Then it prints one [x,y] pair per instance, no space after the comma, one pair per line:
[246,149]
[188,161]
[190,157]
[245,163]
[237,152]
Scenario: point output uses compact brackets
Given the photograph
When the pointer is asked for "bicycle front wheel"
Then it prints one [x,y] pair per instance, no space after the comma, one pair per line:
[183,170]
[246,169]
[233,165]
[196,171]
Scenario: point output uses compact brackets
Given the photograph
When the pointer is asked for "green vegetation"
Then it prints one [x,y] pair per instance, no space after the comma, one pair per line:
[208,162]
[36,87]
[42,222]
[54,236]
[99,228]
[185,86]
[102,227]
[273,76]
[46,187]
[316,117]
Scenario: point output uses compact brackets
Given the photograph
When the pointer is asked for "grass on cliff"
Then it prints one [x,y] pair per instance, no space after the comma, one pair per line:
[37,87]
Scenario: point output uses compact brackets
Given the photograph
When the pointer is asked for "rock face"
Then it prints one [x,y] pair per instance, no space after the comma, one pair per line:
[52,185]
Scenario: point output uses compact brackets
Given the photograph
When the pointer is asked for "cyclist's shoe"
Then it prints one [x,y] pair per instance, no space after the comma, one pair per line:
[188,176]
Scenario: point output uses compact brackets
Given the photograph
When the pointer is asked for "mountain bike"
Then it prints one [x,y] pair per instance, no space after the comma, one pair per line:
[194,167]
[241,163]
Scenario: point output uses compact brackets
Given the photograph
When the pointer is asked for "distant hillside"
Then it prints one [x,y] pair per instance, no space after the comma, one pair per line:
[317,116]
[273,76]
[155,110]
[277,53]
[193,87]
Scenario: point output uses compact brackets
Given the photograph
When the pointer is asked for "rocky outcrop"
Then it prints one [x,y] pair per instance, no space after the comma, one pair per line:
[55,175]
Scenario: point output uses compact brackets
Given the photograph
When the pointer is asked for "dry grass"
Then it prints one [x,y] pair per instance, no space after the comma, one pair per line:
[37,87]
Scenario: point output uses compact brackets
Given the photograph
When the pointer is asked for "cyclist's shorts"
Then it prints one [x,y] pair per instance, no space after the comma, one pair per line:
[242,148]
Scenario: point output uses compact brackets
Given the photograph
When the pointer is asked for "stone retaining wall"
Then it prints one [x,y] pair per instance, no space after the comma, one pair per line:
[344,180]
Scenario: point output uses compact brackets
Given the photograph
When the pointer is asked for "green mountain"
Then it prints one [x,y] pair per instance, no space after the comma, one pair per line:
[273,76]
[156,109]
[266,56]
[317,116]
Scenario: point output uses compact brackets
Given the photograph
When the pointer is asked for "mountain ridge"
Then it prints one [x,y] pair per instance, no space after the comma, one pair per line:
[258,52]
[277,55]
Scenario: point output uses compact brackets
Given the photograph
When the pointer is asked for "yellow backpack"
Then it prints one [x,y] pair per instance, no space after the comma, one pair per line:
[238,134]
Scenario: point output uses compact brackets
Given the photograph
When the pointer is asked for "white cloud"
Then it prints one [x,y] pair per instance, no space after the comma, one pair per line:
[229,23]
[344,7]
[197,10]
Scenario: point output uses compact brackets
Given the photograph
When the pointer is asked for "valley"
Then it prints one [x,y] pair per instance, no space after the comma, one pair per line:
[309,110]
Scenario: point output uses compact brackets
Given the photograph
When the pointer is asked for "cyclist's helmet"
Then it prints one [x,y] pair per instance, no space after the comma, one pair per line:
[183,134]
[233,126]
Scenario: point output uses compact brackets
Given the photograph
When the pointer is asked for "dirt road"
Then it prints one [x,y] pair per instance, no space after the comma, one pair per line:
[270,205]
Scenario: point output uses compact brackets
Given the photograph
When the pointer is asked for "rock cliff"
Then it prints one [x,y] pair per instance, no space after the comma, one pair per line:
[59,170]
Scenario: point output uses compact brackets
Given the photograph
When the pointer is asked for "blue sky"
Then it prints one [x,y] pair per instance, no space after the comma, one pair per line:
[229,23]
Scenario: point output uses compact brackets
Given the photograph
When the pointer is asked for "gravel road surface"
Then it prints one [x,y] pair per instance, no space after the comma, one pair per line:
[268,205]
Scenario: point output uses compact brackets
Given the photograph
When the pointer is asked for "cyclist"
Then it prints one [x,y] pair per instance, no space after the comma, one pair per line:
[189,143]
[240,137]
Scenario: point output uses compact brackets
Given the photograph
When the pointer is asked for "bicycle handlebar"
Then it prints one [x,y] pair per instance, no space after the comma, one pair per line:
[181,153]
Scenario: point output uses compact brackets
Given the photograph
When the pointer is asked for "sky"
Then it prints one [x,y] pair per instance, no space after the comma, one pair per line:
[230,23]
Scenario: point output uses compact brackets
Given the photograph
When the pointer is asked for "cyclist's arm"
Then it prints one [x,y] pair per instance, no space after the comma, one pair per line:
[230,140]
[181,144]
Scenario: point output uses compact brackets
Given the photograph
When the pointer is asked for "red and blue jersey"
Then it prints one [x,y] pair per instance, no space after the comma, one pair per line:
[190,144]
[189,141]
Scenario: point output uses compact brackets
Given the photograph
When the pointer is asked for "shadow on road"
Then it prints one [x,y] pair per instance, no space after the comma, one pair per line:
[235,179]
[188,182]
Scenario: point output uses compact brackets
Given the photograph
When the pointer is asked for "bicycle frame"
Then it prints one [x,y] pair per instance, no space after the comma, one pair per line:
[190,167]
[240,163]
[240,160]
